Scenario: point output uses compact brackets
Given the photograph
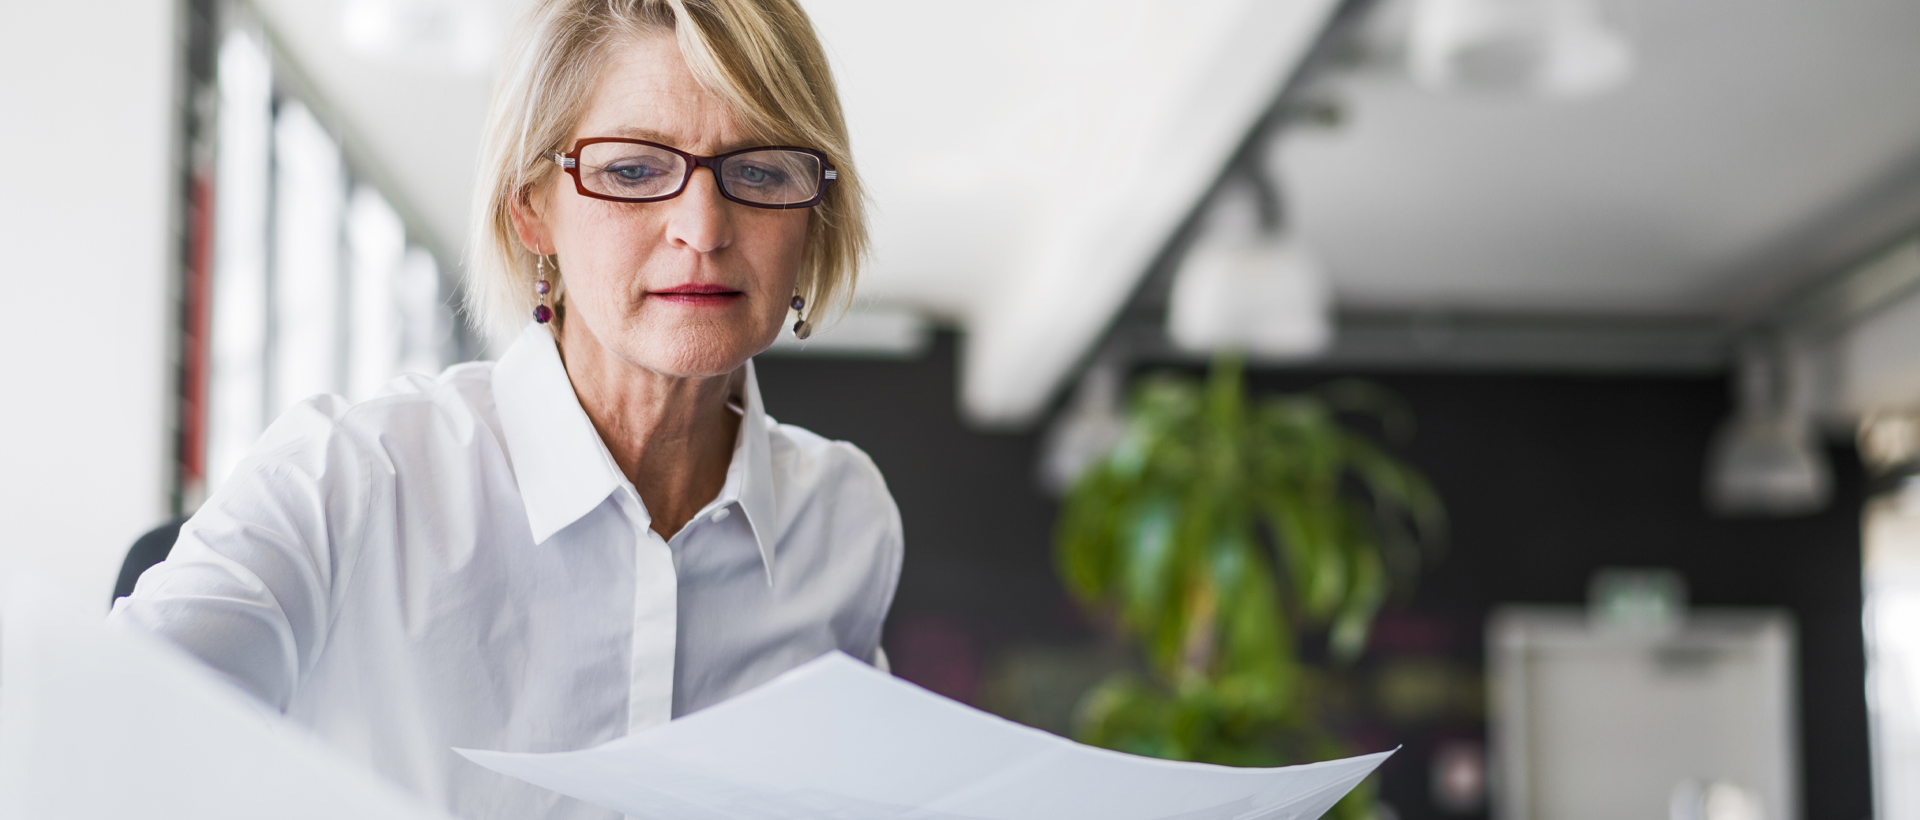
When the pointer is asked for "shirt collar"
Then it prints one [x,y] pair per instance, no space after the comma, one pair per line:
[563,468]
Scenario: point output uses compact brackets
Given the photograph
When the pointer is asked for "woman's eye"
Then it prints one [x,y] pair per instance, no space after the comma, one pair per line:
[757,176]
[632,173]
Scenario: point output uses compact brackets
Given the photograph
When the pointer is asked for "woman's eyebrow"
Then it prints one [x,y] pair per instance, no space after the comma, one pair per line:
[634,132]
[648,134]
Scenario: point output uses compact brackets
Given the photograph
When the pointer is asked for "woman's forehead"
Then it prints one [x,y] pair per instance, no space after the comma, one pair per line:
[647,92]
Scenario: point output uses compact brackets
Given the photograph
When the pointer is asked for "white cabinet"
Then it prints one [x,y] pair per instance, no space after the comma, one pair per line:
[1597,722]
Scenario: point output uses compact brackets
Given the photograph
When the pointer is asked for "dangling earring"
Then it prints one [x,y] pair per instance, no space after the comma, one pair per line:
[801,330]
[542,313]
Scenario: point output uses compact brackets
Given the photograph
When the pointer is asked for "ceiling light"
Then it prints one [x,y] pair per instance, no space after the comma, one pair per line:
[1554,48]
[1258,292]
[865,332]
[1767,459]
[457,35]
[1093,421]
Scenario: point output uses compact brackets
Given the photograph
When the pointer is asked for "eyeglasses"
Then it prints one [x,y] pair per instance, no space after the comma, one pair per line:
[624,170]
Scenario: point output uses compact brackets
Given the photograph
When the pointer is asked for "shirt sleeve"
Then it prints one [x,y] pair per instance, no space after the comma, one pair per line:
[876,504]
[250,586]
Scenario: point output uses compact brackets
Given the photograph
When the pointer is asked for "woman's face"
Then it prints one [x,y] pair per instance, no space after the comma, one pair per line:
[690,286]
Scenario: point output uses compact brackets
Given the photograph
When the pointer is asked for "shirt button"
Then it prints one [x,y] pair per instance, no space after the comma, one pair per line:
[721,514]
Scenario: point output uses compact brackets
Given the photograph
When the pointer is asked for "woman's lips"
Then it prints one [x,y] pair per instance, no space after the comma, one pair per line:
[698,295]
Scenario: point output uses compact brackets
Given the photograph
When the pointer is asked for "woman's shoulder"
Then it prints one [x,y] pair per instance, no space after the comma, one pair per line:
[460,394]
[814,464]
[830,494]
[411,412]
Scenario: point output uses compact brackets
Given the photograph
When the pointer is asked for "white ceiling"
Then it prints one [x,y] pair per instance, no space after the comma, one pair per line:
[1028,157]
[413,125]
[1761,142]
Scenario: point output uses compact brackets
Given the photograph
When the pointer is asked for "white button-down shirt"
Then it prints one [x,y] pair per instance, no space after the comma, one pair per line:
[459,562]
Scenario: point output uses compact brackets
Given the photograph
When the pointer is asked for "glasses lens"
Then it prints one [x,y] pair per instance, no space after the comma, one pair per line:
[630,171]
[771,177]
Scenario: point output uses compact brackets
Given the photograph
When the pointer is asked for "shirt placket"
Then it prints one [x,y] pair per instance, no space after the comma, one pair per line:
[656,609]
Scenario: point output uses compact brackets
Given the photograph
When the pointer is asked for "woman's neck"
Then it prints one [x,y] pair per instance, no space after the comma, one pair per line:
[672,436]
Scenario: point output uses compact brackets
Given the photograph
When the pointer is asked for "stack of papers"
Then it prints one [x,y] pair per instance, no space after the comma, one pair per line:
[838,739]
[101,723]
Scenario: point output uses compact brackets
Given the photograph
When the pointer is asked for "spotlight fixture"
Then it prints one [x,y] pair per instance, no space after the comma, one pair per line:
[1766,460]
[1090,425]
[1552,48]
[1264,294]
[1247,283]
[461,35]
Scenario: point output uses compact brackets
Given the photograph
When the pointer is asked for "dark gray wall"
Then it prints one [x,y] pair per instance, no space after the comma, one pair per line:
[1546,479]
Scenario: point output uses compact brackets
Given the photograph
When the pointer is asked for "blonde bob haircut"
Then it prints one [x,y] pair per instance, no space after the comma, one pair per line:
[760,57]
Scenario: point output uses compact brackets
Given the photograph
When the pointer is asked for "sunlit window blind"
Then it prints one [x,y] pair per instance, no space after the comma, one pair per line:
[377,254]
[427,315]
[310,187]
[1892,619]
[320,285]
[237,402]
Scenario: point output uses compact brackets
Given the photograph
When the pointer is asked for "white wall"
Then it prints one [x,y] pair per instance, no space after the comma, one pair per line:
[86,206]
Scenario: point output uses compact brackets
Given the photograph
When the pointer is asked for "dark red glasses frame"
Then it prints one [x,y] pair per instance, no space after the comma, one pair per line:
[571,162]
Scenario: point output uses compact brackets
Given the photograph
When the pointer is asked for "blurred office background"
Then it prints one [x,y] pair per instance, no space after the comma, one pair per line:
[1647,275]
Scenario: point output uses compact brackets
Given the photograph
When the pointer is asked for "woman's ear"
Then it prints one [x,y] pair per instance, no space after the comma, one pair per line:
[527,222]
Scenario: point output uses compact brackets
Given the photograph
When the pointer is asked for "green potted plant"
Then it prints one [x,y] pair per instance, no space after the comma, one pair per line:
[1218,533]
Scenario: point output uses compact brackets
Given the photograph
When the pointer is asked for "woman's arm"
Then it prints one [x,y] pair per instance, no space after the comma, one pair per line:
[249,587]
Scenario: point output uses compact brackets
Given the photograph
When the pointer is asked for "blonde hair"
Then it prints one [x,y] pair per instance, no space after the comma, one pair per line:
[760,57]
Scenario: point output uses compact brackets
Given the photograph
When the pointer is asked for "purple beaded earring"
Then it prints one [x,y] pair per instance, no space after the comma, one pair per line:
[801,329]
[542,313]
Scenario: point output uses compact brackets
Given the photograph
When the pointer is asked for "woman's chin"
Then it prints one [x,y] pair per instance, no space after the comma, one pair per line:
[694,351]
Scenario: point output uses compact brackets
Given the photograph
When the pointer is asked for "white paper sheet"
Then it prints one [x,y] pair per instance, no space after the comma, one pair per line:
[98,723]
[838,739]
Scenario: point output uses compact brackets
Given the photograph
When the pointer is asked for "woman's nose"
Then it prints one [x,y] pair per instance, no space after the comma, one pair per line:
[701,220]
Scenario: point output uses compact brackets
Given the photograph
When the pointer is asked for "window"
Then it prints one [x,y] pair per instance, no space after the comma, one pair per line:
[319,284]
[1891,574]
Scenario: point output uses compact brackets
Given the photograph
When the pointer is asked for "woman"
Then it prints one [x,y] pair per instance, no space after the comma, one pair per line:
[603,530]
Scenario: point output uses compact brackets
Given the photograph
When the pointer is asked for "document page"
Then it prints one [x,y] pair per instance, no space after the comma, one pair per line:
[99,723]
[836,738]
